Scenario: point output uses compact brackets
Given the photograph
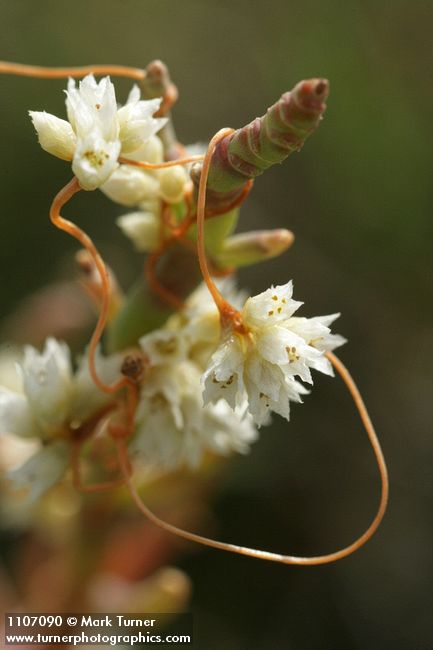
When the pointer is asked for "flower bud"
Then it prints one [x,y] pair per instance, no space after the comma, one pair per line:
[172,184]
[142,228]
[129,186]
[55,135]
[252,247]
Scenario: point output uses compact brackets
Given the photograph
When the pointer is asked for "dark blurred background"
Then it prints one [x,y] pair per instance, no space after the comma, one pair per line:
[357,198]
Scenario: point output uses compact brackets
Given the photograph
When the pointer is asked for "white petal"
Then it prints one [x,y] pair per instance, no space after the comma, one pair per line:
[331,342]
[151,151]
[93,107]
[95,160]
[274,343]
[271,306]
[80,114]
[137,110]
[107,109]
[322,364]
[129,186]
[134,95]
[47,384]
[310,329]
[41,471]
[143,228]
[16,415]
[55,135]
[136,132]
[266,376]
[299,368]
[10,372]
[136,122]
[224,377]
[72,99]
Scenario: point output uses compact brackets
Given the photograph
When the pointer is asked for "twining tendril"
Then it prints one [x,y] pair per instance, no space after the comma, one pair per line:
[267,555]
[169,163]
[201,207]
[65,194]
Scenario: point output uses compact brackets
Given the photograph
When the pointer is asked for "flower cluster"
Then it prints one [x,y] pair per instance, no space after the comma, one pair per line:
[172,424]
[261,365]
[97,131]
[205,388]
[45,402]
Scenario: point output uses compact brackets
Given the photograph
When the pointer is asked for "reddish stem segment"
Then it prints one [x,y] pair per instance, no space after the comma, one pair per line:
[266,555]
[42,72]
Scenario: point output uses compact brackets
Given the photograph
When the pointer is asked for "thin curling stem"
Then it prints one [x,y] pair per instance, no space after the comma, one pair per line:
[266,555]
[43,72]
[170,163]
[65,194]
[201,206]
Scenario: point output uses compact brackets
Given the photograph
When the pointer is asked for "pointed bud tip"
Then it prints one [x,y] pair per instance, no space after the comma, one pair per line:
[312,93]
[156,69]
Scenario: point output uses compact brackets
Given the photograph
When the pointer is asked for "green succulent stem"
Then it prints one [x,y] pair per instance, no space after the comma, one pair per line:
[266,141]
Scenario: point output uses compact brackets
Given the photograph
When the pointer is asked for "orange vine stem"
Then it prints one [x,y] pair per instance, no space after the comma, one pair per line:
[266,555]
[65,194]
[43,72]
[201,206]
[163,165]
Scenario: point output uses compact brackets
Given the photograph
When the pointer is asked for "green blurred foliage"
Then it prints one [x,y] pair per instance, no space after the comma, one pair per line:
[357,198]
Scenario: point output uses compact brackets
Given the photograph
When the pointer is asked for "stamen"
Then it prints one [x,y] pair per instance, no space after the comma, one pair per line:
[266,555]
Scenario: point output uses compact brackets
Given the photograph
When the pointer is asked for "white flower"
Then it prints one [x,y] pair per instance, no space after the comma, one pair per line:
[49,403]
[263,363]
[94,160]
[172,425]
[97,131]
